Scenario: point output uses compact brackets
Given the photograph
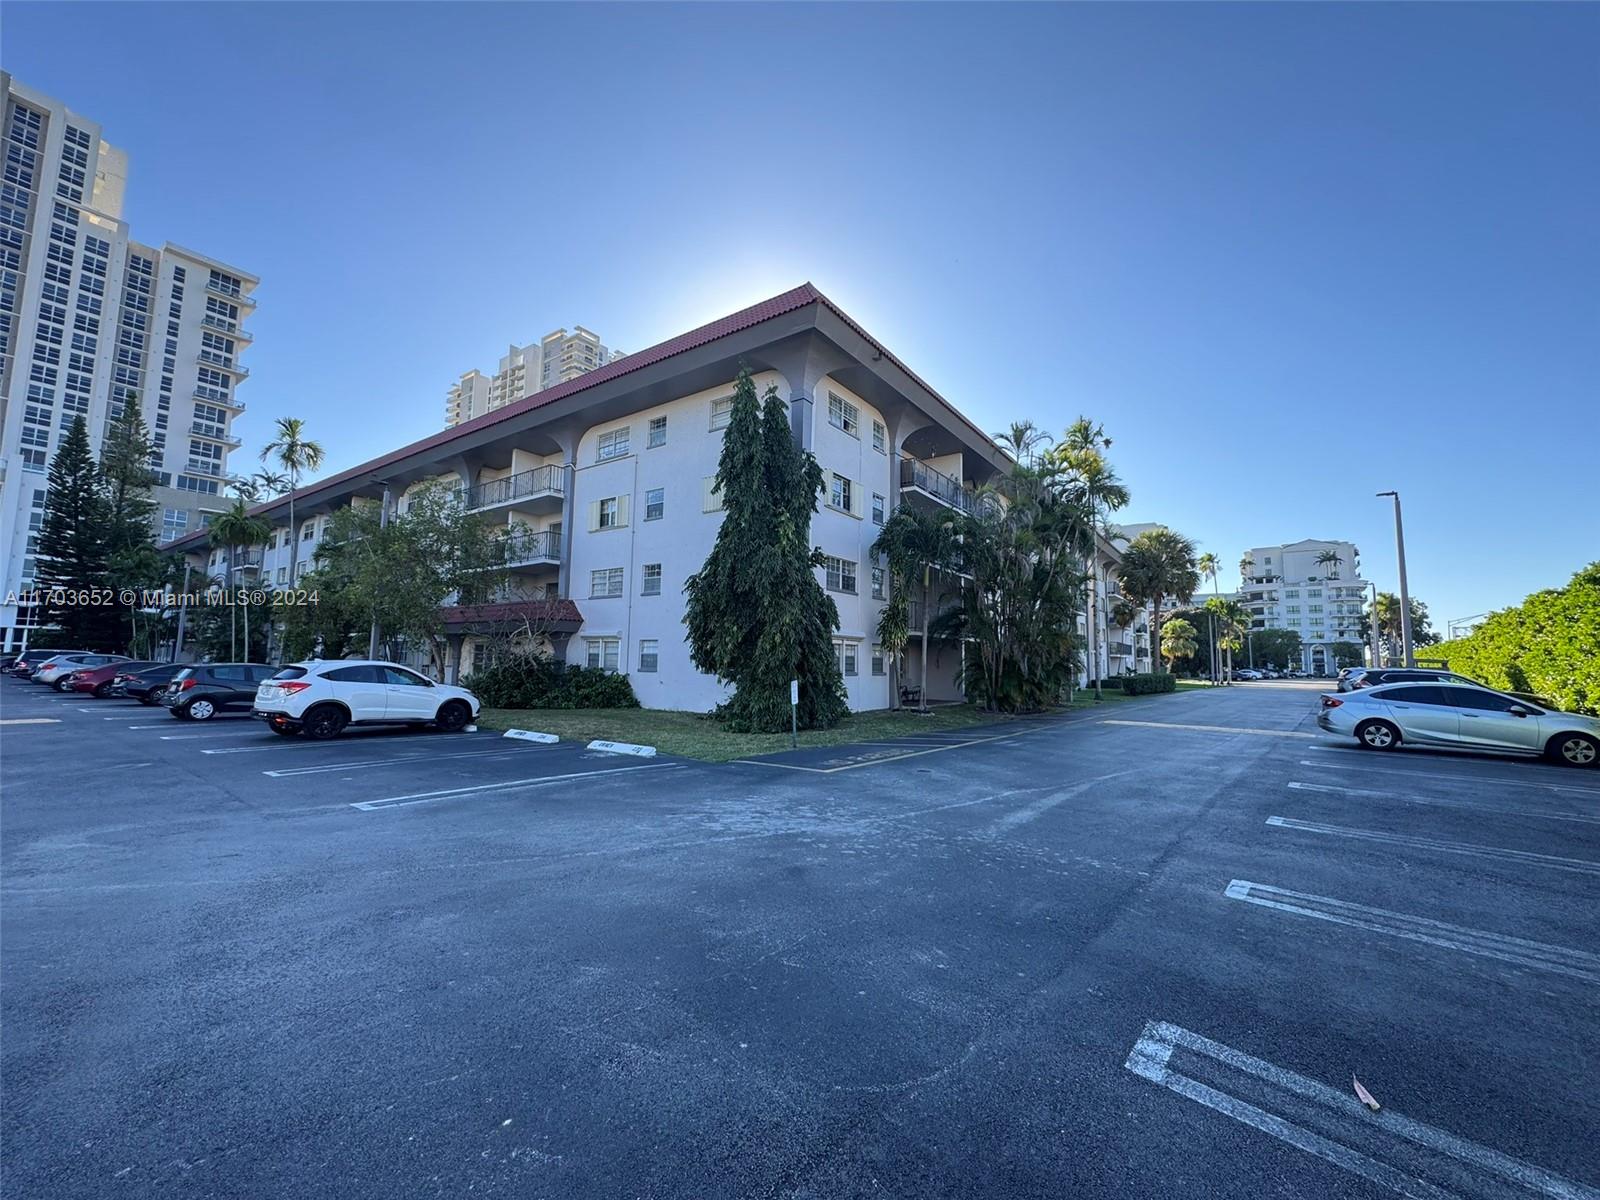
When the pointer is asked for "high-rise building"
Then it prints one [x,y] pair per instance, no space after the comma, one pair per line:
[1313,587]
[92,320]
[524,370]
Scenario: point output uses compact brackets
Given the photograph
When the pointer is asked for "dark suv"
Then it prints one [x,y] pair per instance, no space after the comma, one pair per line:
[1365,677]
[200,692]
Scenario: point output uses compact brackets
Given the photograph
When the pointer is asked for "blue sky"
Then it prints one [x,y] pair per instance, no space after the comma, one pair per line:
[1291,255]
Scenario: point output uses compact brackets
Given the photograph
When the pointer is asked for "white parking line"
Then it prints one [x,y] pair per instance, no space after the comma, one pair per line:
[454,793]
[1405,1156]
[31,721]
[1437,802]
[125,717]
[1214,728]
[1581,865]
[366,763]
[1445,777]
[1579,964]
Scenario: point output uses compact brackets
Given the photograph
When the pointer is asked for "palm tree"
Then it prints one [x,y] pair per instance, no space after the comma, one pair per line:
[1022,441]
[1100,491]
[1230,619]
[1158,565]
[1207,564]
[1247,566]
[1330,558]
[294,453]
[917,542]
[1178,640]
[234,528]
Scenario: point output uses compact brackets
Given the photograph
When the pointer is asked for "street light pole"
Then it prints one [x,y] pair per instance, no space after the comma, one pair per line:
[383,523]
[1407,655]
[1372,628]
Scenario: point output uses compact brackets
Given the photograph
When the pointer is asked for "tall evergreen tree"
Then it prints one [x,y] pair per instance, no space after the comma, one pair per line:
[126,480]
[74,546]
[756,615]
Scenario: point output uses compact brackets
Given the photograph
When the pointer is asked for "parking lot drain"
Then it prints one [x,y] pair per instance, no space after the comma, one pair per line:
[623,748]
[529,735]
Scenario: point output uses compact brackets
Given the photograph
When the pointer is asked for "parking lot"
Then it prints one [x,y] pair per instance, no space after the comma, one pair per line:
[1139,953]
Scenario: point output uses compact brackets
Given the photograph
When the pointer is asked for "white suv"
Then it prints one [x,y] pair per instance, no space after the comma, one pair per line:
[321,697]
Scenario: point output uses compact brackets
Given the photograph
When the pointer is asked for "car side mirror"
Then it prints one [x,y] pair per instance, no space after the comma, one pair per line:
[1516,710]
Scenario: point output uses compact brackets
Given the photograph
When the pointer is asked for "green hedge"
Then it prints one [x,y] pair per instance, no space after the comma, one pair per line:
[1148,684]
[533,682]
[1548,645]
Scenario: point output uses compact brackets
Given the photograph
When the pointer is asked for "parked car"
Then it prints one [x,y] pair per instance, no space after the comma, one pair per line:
[321,697]
[58,671]
[28,661]
[1459,717]
[1365,677]
[97,680]
[1246,673]
[200,691]
[143,685]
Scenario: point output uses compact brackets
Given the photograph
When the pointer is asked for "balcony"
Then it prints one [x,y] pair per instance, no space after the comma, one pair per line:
[1119,649]
[221,362]
[224,326]
[914,617]
[539,490]
[919,477]
[215,433]
[233,297]
[213,395]
[533,550]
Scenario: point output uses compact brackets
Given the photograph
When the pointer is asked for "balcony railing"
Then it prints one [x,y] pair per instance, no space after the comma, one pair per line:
[213,395]
[215,432]
[221,362]
[524,548]
[225,326]
[1119,649]
[540,481]
[919,475]
[216,289]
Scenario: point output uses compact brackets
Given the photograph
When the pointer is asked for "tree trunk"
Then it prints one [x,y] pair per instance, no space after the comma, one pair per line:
[294,534]
[927,598]
[1094,623]
[233,610]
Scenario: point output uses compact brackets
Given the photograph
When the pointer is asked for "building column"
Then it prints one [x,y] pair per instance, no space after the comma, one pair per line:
[568,440]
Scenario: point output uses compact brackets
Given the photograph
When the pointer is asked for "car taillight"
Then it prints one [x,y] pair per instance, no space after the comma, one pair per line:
[122,679]
[187,684]
[291,686]
[1331,702]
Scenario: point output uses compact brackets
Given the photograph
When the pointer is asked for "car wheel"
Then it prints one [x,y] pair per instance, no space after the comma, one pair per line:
[62,684]
[324,723]
[102,690]
[144,700]
[1377,735]
[454,716]
[200,710]
[1574,749]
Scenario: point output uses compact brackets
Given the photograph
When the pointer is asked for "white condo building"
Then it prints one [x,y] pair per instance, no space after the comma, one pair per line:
[606,481]
[1313,587]
[90,320]
[557,357]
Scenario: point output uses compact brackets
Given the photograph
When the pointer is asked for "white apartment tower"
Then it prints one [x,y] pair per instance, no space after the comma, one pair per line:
[90,320]
[555,358]
[1313,587]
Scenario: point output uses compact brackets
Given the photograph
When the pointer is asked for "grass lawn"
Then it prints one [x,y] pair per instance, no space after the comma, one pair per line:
[693,735]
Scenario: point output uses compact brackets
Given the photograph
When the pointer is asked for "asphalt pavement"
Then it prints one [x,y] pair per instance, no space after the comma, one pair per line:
[1141,952]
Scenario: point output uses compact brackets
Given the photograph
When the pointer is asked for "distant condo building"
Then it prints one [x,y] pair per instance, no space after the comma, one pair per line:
[555,358]
[1313,587]
[91,320]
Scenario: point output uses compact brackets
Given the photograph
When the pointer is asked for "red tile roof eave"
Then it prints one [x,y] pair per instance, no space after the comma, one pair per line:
[766,310]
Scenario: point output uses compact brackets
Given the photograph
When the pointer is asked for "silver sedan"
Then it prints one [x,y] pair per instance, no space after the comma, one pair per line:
[1458,717]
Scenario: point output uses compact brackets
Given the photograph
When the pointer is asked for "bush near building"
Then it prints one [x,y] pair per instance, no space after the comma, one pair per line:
[1548,645]
[1148,683]
[531,681]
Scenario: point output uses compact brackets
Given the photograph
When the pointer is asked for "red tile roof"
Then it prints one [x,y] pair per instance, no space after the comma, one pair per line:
[777,306]
[548,612]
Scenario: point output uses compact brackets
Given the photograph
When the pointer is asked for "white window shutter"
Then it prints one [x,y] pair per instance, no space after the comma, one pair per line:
[594,515]
[622,509]
[710,501]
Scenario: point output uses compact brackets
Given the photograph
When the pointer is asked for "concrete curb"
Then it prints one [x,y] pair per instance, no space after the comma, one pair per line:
[624,748]
[528,735]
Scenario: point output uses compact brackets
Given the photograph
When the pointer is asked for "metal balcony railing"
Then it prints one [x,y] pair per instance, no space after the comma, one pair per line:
[237,297]
[210,358]
[546,480]
[919,475]
[522,548]
[1120,649]
[213,395]
[215,432]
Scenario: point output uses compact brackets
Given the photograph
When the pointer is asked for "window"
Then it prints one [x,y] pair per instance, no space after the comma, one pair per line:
[721,412]
[877,583]
[845,654]
[1291,608]
[841,574]
[174,523]
[880,438]
[877,660]
[1486,701]
[877,509]
[841,494]
[655,504]
[1420,695]
[308,530]
[610,513]
[650,579]
[605,583]
[603,652]
[355,675]
[614,443]
[1291,593]
[843,415]
[658,431]
[403,678]
[1314,593]
[649,653]
[710,495]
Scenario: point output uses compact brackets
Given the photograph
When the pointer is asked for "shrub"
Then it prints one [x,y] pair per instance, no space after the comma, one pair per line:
[530,681]
[1111,683]
[1149,683]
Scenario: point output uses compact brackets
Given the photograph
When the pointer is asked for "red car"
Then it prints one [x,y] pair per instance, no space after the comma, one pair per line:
[97,680]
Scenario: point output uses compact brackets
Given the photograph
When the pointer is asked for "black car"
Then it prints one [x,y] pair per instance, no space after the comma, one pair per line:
[27,663]
[1367,677]
[201,691]
[143,684]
